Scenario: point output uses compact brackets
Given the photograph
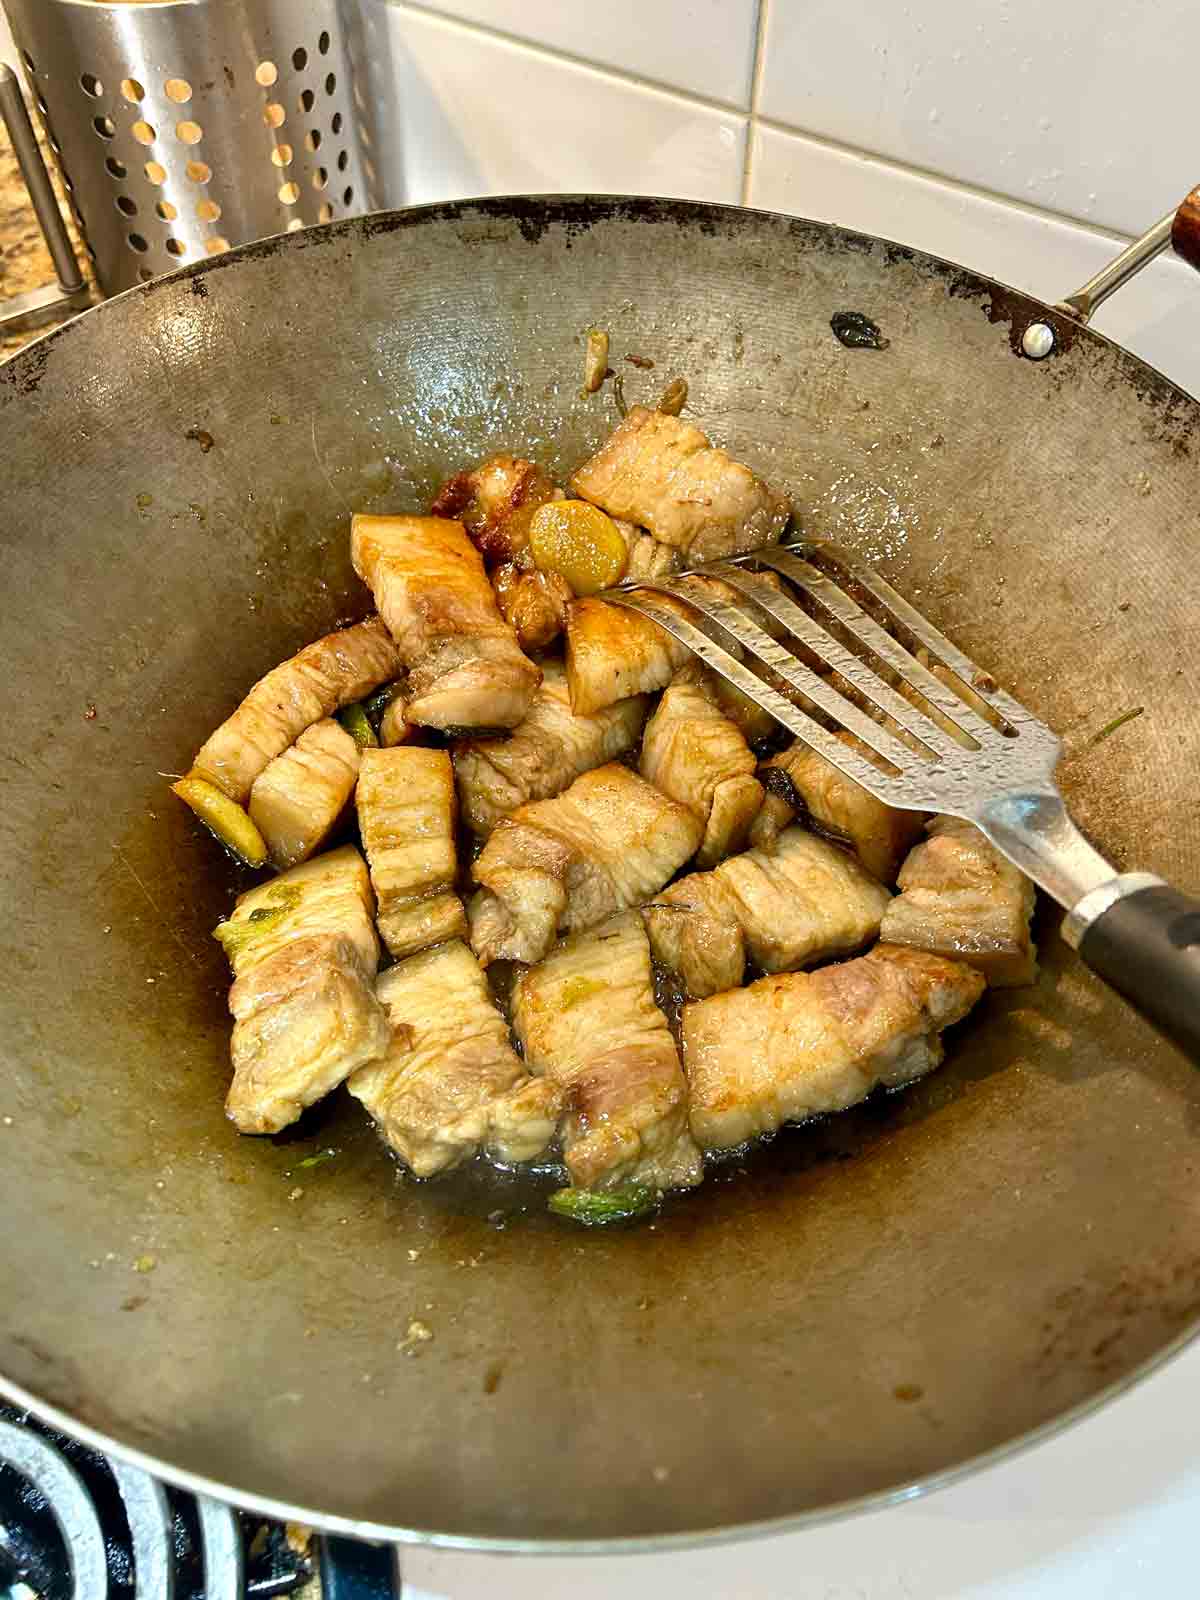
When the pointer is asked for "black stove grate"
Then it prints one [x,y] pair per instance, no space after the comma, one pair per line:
[76,1526]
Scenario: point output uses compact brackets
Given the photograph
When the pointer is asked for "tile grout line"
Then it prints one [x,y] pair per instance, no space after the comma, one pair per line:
[553,53]
[944,180]
[756,78]
[755,120]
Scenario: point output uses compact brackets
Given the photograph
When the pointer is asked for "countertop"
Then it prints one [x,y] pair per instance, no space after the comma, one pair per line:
[24,260]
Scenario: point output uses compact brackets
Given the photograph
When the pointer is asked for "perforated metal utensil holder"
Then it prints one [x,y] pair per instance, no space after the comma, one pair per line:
[182,127]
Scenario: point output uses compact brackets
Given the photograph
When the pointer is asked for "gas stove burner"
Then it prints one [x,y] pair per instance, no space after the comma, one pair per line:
[75,1525]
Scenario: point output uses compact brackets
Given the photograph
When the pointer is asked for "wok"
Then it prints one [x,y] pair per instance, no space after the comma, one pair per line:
[864,1306]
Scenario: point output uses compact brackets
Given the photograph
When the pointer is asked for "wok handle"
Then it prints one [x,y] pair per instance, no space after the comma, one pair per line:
[1145,942]
[1180,228]
[1185,230]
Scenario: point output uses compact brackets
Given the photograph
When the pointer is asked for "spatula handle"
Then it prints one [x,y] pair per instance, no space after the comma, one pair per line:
[1147,946]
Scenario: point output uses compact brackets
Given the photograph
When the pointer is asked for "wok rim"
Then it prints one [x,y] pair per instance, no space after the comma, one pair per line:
[509,206]
[560,206]
[644,1544]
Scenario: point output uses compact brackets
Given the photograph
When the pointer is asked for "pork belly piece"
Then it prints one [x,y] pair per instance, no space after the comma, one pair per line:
[466,667]
[605,844]
[533,603]
[879,834]
[586,1019]
[297,798]
[407,811]
[394,726]
[613,653]
[450,1083]
[960,897]
[805,901]
[753,722]
[697,755]
[646,560]
[544,755]
[695,929]
[664,474]
[332,672]
[304,1019]
[793,1046]
[304,953]
[484,499]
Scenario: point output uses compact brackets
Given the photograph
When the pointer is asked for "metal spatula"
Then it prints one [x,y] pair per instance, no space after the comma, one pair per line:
[837,649]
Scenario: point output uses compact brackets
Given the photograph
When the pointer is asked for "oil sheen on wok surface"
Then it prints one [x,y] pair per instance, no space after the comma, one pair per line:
[581,845]
[1008,1239]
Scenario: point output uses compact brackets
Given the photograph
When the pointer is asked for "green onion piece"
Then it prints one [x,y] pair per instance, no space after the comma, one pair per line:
[1117,722]
[597,1208]
[235,937]
[315,1161]
[358,725]
[238,933]
[376,704]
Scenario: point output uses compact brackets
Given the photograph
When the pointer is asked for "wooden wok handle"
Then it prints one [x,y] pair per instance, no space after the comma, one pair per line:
[1185,230]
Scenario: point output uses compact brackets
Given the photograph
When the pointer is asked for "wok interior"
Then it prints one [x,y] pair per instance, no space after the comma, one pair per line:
[873,1300]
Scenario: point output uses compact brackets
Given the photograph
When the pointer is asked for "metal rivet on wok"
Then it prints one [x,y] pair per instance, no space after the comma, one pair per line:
[1038,341]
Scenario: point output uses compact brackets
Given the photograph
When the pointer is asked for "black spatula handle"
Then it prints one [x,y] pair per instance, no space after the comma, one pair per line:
[1147,946]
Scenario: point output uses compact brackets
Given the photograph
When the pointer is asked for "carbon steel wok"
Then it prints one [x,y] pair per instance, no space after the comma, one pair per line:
[870,1304]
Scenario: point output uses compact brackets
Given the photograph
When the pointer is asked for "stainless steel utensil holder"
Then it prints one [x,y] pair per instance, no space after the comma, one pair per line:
[182,127]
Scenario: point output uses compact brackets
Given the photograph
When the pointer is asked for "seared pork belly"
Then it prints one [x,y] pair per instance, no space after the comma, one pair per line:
[466,667]
[879,834]
[960,897]
[304,953]
[697,755]
[793,1046]
[297,798]
[695,929]
[613,653]
[754,723]
[533,603]
[484,499]
[646,560]
[586,1019]
[805,901]
[450,1082]
[544,755]
[333,672]
[605,844]
[407,812]
[304,1019]
[664,475]
[394,726]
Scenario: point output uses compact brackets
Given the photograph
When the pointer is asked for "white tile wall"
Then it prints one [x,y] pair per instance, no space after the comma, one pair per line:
[480,114]
[1081,106]
[705,46]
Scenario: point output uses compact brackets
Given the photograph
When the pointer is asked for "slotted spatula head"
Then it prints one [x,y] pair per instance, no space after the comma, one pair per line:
[944,735]
[818,639]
